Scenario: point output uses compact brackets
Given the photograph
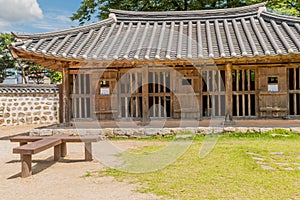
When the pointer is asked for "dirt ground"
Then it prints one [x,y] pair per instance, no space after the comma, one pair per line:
[61,180]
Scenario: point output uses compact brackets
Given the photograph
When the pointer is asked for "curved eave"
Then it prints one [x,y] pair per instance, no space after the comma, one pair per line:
[59,60]
[21,37]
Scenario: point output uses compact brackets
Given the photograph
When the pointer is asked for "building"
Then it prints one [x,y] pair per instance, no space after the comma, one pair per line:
[236,63]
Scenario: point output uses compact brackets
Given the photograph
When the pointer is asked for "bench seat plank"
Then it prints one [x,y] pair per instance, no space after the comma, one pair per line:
[25,138]
[37,146]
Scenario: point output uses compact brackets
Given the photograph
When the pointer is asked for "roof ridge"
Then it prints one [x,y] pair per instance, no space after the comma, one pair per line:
[164,14]
[86,27]
[280,17]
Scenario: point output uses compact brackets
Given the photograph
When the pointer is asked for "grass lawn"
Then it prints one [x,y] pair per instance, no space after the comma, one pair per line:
[241,166]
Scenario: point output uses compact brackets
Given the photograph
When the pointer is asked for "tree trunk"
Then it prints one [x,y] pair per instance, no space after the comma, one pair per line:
[185,4]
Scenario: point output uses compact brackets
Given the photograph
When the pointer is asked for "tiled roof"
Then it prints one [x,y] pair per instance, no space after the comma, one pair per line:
[226,33]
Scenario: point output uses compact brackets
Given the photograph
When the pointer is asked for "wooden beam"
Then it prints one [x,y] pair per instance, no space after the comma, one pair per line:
[145,93]
[65,107]
[228,115]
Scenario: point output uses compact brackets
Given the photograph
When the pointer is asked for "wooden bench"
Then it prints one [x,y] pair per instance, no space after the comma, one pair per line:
[30,145]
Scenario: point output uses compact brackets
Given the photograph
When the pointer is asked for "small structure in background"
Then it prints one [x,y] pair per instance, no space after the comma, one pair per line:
[14,77]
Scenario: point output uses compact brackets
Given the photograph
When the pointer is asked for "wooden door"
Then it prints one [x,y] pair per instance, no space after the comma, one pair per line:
[105,95]
[273,98]
[187,92]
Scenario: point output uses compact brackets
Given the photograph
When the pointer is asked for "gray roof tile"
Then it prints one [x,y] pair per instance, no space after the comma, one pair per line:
[238,32]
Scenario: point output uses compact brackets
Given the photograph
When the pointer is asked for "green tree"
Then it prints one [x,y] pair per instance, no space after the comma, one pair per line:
[37,73]
[98,9]
[55,77]
[285,7]
[6,60]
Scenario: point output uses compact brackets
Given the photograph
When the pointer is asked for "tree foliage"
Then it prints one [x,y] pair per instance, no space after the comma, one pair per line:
[286,7]
[55,77]
[98,9]
[7,61]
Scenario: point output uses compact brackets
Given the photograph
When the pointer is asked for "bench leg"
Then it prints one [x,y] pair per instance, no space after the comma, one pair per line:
[22,143]
[88,151]
[63,149]
[26,165]
[57,152]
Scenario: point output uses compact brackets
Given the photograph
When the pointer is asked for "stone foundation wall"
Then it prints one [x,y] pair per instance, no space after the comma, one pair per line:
[28,104]
[142,133]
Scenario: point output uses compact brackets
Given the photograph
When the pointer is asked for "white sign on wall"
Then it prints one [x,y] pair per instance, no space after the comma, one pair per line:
[273,88]
[104,91]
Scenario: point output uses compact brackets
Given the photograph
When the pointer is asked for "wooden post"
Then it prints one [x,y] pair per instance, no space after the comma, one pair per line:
[65,107]
[63,149]
[88,151]
[228,116]
[57,152]
[145,90]
[26,165]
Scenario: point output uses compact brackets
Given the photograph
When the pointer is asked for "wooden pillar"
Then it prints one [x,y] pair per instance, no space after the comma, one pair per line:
[228,99]
[65,106]
[88,151]
[145,98]
[26,165]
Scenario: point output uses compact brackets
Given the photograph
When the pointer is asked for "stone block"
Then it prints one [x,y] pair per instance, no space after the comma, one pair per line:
[229,129]
[28,120]
[108,132]
[254,130]
[263,130]
[295,130]
[21,114]
[242,129]
[151,131]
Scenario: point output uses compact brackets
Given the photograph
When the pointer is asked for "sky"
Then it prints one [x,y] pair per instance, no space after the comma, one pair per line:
[36,16]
